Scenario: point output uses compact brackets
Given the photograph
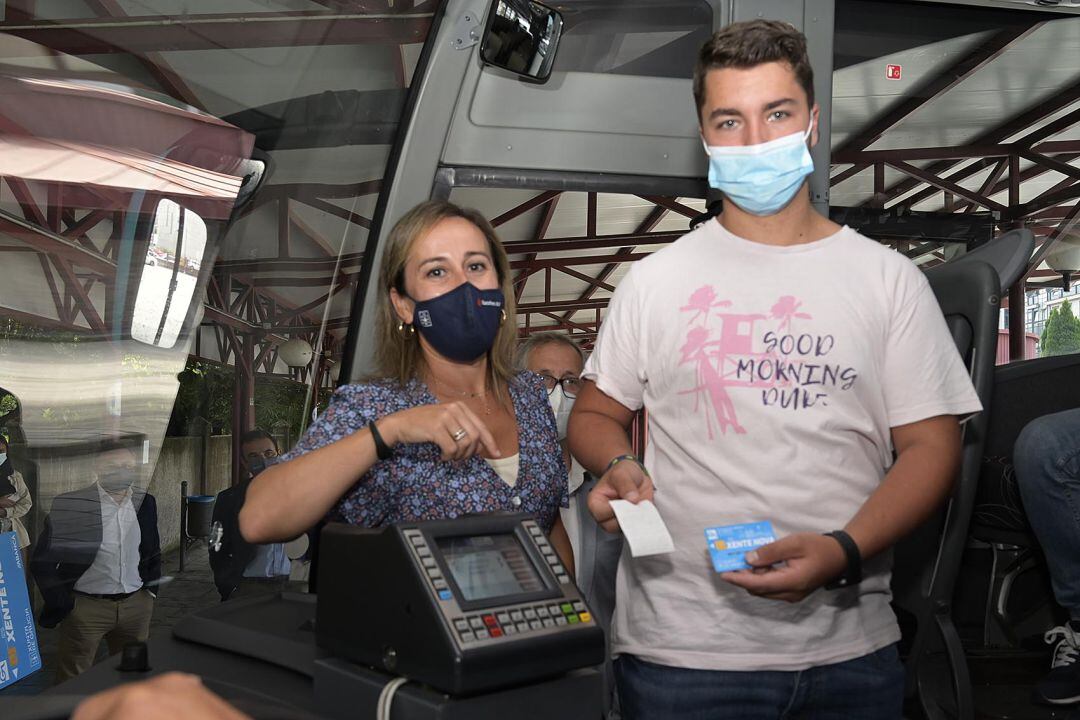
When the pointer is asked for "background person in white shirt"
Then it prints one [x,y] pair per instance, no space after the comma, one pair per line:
[97,554]
[559,361]
[15,500]
[782,359]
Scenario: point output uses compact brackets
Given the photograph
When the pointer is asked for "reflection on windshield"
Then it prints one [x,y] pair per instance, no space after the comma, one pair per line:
[140,343]
[169,274]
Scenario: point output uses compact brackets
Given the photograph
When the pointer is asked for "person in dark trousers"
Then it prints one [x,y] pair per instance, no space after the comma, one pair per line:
[98,556]
[234,561]
[1047,461]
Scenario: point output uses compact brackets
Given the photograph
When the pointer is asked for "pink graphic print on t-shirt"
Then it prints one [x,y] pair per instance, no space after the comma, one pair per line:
[731,350]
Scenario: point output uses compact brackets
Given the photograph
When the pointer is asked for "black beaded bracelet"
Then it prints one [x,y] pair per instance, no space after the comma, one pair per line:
[382,450]
[853,574]
[619,458]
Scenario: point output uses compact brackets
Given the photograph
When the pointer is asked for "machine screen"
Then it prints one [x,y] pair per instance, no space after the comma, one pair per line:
[489,566]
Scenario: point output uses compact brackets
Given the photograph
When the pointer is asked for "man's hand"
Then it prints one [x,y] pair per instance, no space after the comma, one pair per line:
[626,481]
[173,696]
[811,560]
[7,503]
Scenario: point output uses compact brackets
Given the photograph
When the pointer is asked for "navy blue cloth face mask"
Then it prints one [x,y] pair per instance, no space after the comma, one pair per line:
[461,325]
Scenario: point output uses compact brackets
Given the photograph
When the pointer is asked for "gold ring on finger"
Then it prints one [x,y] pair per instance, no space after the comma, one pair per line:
[459,434]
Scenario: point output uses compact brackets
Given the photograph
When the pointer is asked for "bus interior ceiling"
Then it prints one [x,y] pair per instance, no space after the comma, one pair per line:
[950,123]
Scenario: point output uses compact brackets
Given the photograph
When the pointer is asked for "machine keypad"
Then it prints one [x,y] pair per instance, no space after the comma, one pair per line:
[521,620]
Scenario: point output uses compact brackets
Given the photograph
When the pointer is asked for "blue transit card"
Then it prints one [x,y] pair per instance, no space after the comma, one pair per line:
[19,654]
[728,544]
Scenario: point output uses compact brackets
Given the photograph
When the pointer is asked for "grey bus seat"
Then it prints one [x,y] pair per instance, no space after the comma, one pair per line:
[1008,253]
[1023,391]
[926,564]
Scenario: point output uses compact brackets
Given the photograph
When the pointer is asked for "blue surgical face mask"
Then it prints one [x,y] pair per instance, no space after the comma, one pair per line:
[761,179]
[461,325]
[3,458]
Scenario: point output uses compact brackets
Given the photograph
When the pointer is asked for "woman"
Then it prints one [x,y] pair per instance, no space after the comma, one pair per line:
[15,499]
[445,427]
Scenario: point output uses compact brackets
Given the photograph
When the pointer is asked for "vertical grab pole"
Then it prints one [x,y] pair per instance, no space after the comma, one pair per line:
[183,522]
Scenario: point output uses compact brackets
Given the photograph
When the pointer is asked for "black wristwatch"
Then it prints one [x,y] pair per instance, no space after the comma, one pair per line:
[853,574]
[382,450]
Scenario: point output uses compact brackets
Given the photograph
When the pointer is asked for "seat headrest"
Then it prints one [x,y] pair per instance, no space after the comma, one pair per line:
[1008,254]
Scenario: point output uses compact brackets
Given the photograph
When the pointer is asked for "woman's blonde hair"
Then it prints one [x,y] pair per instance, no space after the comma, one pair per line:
[397,353]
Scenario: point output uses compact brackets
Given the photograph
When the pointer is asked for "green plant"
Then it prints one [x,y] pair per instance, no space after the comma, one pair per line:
[1061,336]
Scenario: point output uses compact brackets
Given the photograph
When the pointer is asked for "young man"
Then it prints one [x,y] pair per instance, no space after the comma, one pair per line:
[782,359]
[96,562]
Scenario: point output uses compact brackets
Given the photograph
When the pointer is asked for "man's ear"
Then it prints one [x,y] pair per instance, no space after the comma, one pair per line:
[815,114]
[403,306]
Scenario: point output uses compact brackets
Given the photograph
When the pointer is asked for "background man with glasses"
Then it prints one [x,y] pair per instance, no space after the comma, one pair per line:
[559,361]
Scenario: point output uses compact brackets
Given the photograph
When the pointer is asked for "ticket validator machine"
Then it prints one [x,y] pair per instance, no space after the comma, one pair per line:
[465,606]
[473,618]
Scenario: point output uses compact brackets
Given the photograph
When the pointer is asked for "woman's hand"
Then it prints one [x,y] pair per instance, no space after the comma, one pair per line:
[7,503]
[455,428]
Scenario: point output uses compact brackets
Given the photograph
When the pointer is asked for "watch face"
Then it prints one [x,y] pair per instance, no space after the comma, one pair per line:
[217,532]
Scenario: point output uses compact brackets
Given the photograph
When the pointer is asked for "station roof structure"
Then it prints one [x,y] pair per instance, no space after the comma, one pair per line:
[981,129]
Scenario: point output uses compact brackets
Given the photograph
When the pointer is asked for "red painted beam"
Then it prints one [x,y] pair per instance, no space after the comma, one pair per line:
[1066,224]
[651,221]
[584,243]
[1023,120]
[289,264]
[562,305]
[525,207]
[931,179]
[275,281]
[45,241]
[539,232]
[560,263]
[340,212]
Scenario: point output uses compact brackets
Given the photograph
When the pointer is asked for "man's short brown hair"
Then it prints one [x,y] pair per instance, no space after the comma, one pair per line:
[748,44]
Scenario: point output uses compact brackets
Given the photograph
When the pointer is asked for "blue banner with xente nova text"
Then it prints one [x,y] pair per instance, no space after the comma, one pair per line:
[20,656]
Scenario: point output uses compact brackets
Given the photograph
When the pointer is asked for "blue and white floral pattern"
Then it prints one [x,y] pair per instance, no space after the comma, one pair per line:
[415,484]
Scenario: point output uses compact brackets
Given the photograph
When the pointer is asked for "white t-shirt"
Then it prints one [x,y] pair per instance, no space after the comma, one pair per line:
[772,376]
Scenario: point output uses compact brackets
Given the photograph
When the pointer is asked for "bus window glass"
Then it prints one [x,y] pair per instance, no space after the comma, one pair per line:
[147,320]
